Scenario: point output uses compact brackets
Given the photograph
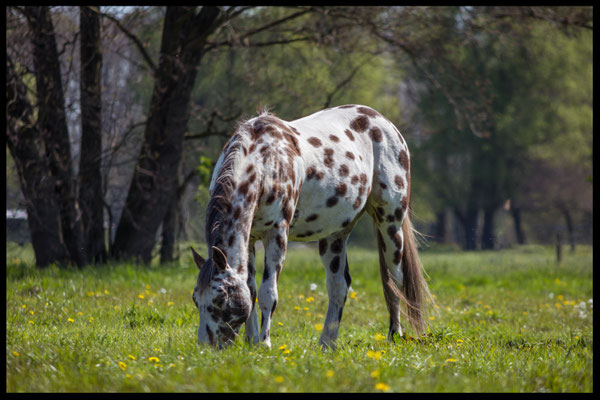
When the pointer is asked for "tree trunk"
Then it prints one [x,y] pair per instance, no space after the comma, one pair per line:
[516,215]
[169,227]
[153,183]
[37,185]
[569,223]
[90,176]
[487,234]
[468,221]
[440,227]
[53,127]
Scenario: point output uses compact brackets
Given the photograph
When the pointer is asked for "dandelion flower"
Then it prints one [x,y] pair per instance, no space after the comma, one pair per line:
[280,323]
[353,295]
[559,297]
[309,299]
[128,376]
[279,379]
[24,306]
[79,313]
[282,347]
[141,296]
[525,313]
[171,365]
[71,320]
[16,354]
[154,359]
[319,327]
[329,373]
[286,351]
[122,365]
[31,322]
[432,318]
[450,360]
[297,308]
[382,386]
[170,303]
[105,291]
[132,357]
[31,312]
[378,336]
[374,354]
[375,374]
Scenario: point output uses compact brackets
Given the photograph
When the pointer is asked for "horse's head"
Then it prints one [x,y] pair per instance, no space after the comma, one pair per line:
[222,297]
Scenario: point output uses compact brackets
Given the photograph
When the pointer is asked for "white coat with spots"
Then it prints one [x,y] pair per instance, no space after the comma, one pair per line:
[306,180]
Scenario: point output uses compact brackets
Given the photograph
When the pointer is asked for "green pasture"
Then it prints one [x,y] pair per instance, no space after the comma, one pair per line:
[505,321]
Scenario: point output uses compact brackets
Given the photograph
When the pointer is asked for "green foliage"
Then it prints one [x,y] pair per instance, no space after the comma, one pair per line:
[508,321]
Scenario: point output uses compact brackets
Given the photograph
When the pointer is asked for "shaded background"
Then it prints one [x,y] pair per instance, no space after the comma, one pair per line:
[116,116]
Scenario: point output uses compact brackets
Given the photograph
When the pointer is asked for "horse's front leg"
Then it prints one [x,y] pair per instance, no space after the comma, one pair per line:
[275,248]
[252,322]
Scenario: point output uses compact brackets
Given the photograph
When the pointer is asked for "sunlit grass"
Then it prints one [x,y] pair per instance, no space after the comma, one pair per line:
[511,321]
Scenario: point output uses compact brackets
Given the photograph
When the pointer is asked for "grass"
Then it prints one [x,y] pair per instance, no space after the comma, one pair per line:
[508,321]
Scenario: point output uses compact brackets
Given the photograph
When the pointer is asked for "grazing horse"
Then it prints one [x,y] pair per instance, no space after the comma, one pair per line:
[309,179]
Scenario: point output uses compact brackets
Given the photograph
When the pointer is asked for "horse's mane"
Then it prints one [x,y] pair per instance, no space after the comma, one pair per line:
[219,204]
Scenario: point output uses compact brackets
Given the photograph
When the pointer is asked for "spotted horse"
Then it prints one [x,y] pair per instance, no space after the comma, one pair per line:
[309,179]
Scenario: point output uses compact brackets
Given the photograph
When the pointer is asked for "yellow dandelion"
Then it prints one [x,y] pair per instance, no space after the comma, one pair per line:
[122,365]
[319,327]
[141,296]
[525,313]
[431,318]
[374,354]
[559,297]
[282,347]
[279,379]
[117,307]
[309,299]
[308,314]
[459,342]
[31,312]
[16,353]
[490,312]
[486,307]
[91,319]
[132,357]
[79,313]
[47,304]
[71,320]
[170,303]
[24,306]
[382,386]
[450,360]
[301,296]
[154,359]
[378,336]
[128,376]
[31,322]
[105,291]
[157,350]
[557,305]
[375,374]
[297,308]
[280,323]
[353,295]
[171,365]
[286,351]
[329,373]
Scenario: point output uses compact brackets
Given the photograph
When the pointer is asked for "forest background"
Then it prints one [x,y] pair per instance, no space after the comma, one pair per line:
[116,116]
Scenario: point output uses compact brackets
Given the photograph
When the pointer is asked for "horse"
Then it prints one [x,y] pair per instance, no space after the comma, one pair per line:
[309,179]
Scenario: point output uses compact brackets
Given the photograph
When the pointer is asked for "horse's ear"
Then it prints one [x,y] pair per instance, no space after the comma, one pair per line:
[197,258]
[219,258]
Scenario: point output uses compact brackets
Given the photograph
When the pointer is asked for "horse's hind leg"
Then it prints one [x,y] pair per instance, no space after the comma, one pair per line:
[390,243]
[333,255]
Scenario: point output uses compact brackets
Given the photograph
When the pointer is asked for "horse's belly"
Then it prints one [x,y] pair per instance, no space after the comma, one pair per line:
[324,210]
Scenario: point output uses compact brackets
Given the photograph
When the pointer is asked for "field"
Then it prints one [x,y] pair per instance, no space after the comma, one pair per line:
[505,321]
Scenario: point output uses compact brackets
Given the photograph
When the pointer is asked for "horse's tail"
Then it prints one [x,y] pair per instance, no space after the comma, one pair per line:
[415,290]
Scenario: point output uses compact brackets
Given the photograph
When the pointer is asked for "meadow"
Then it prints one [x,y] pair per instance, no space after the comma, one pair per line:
[504,321]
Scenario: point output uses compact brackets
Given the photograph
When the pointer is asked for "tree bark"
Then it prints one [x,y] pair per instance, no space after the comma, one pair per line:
[516,215]
[569,223]
[169,227]
[468,221]
[440,227]
[184,36]
[37,184]
[53,127]
[487,234]
[90,176]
